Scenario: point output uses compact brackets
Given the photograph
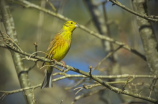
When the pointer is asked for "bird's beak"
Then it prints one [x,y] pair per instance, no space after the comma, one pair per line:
[76,25]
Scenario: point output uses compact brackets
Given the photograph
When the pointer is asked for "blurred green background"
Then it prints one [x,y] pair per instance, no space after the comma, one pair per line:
[35,26]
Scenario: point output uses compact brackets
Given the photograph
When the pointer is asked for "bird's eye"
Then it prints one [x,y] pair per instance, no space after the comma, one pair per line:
[71,22]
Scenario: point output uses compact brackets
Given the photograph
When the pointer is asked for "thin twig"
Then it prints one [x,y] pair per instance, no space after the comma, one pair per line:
[105,84]
[52,6]
[79,82]
[106,57]
[116,2]
[27,4]
[128,80]
[90,71]
[86,95]
[152,86]
[26,71]
[8,22]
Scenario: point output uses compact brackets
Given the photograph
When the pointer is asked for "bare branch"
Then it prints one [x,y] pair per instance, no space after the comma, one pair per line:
[117,90]
[106,57]
[86,95]
[148,37]
[27,4]
[116,2]
[10,29]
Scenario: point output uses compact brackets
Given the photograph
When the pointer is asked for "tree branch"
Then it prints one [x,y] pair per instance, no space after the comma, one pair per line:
[148,37]
[105,84]
[101,24]
[116,2]
[5,93]
[10,29]
[86,95]
[34,6]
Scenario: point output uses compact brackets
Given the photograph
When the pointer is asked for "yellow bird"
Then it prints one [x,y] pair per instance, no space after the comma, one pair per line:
[58,48]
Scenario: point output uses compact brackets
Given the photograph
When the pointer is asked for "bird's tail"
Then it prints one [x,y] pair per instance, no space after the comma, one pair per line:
[47,82]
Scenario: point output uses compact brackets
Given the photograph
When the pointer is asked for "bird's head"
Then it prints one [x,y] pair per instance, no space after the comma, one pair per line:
[70,25]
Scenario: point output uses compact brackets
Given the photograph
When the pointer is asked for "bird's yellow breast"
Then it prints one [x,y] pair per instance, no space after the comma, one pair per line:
[61,50]
[61,46]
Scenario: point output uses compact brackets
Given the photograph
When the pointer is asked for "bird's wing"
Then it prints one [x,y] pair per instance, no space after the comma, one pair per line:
[52,46]
[49,52]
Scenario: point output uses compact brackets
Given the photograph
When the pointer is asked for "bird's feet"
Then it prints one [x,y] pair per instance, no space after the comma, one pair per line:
[63,65]
[55,61]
